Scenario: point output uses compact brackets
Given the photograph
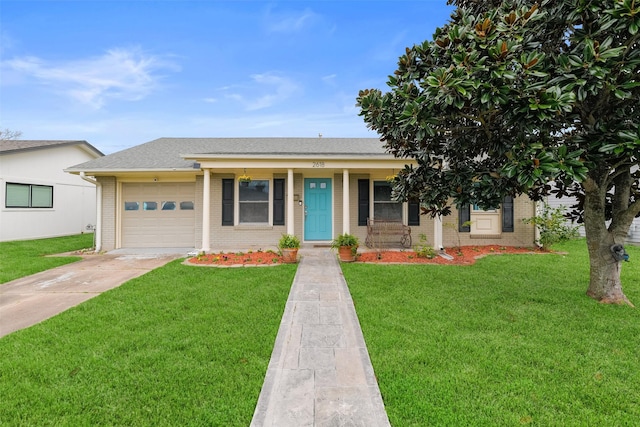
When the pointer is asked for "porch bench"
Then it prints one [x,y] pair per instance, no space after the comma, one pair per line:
[377,229]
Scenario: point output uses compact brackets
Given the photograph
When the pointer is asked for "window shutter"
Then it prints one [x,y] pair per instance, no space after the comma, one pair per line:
[227,202]
[464,215]
[507,214]
[414,212]
[278,201]
[363,201]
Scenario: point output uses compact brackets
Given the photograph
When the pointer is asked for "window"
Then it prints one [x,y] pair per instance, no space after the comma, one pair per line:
[253,201]
[255,204]
[413,206]
[186,206]
[168,206]
[28,196]
[384,207]
[149,206]
[464,215]
[131,206]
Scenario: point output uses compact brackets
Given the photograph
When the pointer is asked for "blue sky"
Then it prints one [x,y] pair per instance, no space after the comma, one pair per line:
[121,73]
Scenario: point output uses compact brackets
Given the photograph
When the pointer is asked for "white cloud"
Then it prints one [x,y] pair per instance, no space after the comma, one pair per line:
[127,74]
[289,22]
[264,91]
[330,79]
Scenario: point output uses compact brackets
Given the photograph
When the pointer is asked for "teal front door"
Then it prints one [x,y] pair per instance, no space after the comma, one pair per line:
[317,201]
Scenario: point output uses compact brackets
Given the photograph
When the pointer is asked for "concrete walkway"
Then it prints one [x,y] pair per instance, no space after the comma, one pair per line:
[32,299]
[320,373]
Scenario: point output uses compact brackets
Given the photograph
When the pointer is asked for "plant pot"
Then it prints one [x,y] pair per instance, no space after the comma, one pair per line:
[347,253]
[289,255]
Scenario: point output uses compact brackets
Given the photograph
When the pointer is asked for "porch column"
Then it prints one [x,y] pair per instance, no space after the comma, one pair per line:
[437,233]
[290,207]
[346,216]
[206,211]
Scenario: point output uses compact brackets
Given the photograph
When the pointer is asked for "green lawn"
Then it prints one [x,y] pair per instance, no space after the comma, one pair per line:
[512,340]
[22,258]
[180,345]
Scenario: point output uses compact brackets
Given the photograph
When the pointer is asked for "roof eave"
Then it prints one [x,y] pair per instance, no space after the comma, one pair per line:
[106,171]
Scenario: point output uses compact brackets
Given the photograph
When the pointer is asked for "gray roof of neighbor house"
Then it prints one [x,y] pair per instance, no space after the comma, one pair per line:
[179,153]
[10,146]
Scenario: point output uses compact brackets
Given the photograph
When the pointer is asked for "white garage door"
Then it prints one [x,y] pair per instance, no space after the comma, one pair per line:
[158,215]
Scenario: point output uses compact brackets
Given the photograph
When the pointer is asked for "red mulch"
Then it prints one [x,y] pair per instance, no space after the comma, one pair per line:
[238,258]
[464,255]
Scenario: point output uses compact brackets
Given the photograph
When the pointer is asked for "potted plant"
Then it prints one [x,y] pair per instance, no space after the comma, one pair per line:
[347,246]
[289,245]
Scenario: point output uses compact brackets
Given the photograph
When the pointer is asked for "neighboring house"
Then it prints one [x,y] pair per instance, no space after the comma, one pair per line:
[38,198]
[633,236]
[190,193]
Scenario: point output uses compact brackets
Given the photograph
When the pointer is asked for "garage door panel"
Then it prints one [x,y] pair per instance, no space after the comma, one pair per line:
[158,228]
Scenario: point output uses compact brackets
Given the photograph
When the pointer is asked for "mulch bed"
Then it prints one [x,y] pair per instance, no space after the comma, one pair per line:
[229,259]
[464,255]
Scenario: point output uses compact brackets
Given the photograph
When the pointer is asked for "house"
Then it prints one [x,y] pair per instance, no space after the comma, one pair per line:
[38,198]
[216,193]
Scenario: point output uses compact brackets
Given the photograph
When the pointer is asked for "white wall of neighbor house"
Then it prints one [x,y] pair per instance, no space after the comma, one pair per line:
[633,236]
[74,200]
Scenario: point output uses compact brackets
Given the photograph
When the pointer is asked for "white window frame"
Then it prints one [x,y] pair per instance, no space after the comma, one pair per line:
[236,203]
[372,198]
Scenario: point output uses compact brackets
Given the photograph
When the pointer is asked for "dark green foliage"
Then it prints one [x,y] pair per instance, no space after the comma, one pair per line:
[511,95]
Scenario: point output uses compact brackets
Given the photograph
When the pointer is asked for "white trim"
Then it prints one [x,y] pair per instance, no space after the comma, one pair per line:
[206,211]
[289,219]
[236,204]
[346,216]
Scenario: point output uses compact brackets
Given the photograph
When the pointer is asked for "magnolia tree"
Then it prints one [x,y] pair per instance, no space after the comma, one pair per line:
[512,96]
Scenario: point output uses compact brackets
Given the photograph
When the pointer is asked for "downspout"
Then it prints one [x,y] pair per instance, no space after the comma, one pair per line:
[536,230]
[98,231]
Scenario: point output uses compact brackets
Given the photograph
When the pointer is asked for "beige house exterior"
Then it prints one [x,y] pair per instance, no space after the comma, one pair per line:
[221,193]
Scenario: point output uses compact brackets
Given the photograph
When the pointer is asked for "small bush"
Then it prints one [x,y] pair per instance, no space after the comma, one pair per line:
[423,250]
[552,225]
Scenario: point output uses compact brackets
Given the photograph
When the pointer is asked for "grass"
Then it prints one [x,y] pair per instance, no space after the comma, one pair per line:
[178,346]
[511,340]
[22,258]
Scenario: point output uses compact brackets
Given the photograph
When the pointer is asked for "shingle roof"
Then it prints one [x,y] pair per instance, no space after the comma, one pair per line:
[9,146]
[169,153]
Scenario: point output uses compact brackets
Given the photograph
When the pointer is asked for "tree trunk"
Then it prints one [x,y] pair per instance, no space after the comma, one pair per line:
[604,277]
[604,281]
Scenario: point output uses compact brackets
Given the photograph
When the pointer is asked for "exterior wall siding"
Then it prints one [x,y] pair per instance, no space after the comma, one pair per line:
[109,209]
[74,199]
[266,237]
[235,237]
[523,234]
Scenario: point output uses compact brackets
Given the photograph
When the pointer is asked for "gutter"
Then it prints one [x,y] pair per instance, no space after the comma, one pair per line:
[98,231]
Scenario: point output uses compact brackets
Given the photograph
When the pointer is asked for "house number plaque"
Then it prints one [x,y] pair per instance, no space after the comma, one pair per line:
[318,164]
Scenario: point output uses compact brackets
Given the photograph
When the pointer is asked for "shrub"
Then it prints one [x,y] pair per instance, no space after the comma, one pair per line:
[552,225]
[289,241]
[423,250]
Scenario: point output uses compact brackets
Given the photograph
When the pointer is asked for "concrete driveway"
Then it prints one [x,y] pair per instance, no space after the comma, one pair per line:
[29,300]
